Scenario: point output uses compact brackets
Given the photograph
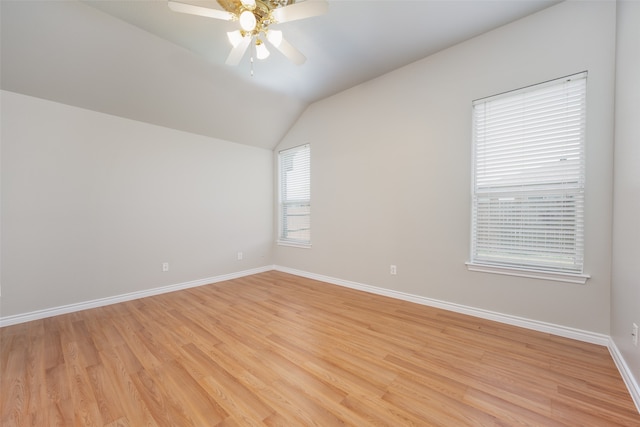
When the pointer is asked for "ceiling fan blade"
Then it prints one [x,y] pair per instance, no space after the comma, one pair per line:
[238,51]
[200,11]
[287,49]
[303,10]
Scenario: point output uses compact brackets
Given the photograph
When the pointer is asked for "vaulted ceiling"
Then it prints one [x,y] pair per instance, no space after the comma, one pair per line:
[138,59]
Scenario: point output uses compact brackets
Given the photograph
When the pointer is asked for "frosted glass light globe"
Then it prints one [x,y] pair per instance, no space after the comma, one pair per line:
[247,20]
[261,51]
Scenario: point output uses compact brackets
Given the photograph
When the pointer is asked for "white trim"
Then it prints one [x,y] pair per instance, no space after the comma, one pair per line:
[625,372]
[550,328]
[532,274]
[70,308]
[293,244]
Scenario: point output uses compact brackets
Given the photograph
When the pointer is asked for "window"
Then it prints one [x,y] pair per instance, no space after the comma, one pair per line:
[528,181]
[295,196]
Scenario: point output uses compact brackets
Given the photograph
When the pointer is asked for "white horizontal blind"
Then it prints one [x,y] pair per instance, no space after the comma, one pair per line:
[295,195]
[529,175]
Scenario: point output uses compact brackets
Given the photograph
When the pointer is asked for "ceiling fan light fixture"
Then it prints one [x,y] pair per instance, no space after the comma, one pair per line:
[261,50]
[274,37]
[247,20]
[255,17]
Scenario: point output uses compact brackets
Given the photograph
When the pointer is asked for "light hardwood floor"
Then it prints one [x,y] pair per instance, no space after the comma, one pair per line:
[279,350]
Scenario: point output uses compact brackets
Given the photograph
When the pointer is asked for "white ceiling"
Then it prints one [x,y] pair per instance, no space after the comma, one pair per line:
[138,59]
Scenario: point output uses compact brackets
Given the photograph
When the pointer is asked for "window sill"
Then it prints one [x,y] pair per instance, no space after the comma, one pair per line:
[533,274]
[293,244]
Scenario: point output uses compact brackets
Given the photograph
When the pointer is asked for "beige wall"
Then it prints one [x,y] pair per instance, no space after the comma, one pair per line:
[625,300]
[93,204]
[391,169]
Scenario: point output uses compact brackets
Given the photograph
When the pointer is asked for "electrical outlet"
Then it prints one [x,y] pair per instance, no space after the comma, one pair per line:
[165,266]
[240,256]
[393,270]
[634,334]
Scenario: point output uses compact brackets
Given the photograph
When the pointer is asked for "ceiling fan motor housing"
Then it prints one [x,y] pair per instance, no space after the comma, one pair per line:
[262,11]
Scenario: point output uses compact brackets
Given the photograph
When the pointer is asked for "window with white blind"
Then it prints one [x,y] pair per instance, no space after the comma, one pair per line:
[528,181]
[294,167]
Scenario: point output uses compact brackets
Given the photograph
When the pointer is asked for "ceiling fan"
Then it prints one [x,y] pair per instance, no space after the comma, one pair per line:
[255,18]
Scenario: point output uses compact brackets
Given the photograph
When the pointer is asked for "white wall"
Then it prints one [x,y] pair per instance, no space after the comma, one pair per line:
[625,300]
[391,169]
[93,204]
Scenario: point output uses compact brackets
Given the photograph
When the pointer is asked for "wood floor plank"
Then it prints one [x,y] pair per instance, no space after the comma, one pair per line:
[435,409]
[58,407]
[233,396]
[103,390]
[127,397]
[192,399]
[15,405]
[509,413]
[275,349]
[164,411]
[84,401]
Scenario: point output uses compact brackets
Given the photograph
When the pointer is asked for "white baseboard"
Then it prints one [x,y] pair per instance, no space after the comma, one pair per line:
[550,328]
[563,331]
[625,371]
[65,309]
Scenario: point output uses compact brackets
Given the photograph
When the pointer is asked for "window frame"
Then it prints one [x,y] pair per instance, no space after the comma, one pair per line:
[284,204]
[519,264]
